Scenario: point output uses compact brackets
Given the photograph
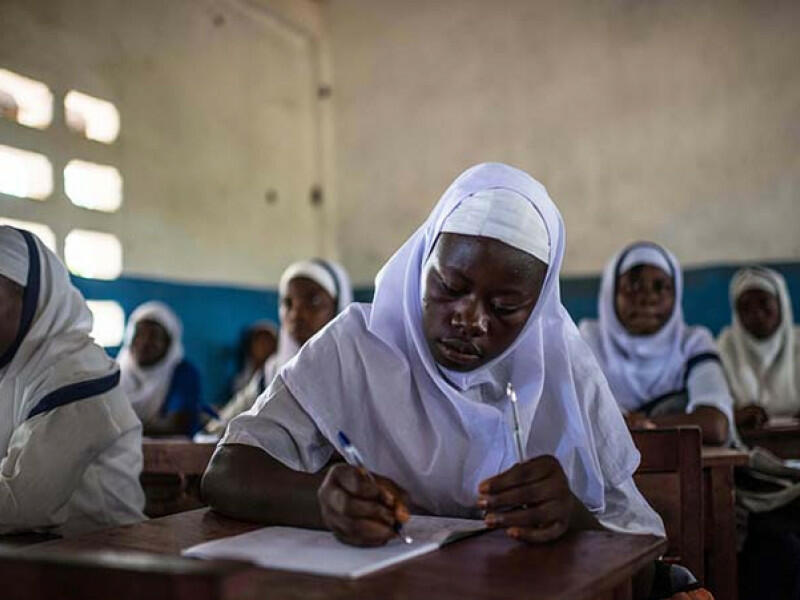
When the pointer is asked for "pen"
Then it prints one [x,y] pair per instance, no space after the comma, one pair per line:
[512,395]
[353,458]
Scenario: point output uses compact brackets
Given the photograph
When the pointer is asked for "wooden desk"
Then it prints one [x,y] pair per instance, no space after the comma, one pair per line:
[582,566]
[781,440]
[171,474]
[720,520]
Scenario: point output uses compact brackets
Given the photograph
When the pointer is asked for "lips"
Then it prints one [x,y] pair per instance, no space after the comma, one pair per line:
[458,351]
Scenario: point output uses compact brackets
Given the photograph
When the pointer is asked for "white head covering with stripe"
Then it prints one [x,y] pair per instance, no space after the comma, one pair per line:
[763,372]
[53,352]
[642,368]
[371,374]
[147,387]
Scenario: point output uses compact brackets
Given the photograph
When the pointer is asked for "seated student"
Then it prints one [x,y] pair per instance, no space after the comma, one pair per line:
[661,371]
[70,445]
[163,387]
[760,349]
[418,379]
[311,293]
[258,343]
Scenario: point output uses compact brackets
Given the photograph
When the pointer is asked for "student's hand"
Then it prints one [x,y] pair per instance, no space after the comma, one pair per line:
[358,511]
[638,420]
[531,499]
[751,416]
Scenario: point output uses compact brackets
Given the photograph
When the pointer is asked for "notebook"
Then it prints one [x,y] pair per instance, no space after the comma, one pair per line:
[320,553]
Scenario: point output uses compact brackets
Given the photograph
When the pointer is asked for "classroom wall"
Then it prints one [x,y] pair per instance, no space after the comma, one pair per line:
[671,121]
[218,105]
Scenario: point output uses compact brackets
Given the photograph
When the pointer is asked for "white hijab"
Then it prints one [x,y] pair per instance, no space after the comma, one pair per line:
[642,368]
[370,374]
[53,360]
[762,372]
[329,275]
[147,387]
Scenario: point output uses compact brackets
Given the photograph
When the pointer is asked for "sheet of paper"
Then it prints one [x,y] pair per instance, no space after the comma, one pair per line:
[782,422]
[320,553]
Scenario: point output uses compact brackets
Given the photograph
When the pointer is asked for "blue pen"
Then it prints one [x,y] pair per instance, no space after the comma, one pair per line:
[353,458]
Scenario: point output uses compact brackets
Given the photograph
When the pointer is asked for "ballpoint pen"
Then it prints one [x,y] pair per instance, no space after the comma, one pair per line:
[512,395]
[353,458]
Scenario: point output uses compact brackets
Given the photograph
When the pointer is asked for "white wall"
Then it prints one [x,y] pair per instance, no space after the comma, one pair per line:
[674,121]
[218,104]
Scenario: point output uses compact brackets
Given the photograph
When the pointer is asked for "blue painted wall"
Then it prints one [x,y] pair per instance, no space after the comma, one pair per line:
[214,317]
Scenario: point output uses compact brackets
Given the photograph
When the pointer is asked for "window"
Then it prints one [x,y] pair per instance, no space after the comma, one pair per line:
[109,322]
[91,117]
[26,101]
[43,232]
[25,174]
[98,187]
[93,254]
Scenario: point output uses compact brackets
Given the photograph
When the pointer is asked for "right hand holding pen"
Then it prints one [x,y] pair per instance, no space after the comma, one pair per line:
[359,511]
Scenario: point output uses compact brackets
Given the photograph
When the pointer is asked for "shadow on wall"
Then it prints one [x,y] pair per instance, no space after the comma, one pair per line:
[215,316]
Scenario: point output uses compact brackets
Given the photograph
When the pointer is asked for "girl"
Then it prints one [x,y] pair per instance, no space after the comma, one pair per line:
[760,349]
[163,387]
[258,343]
[661,371]
[70,445]
[311,293]
[418,380]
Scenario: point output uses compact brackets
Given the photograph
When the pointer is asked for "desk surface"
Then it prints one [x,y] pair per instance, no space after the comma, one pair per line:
[782,440]
[582,565]
[713,456]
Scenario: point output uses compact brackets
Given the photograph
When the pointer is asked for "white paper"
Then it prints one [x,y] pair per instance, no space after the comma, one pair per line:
[320,553]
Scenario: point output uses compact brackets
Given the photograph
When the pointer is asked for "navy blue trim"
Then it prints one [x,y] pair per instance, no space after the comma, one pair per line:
[326,265]
[696,360]
[30,298]
[74,392]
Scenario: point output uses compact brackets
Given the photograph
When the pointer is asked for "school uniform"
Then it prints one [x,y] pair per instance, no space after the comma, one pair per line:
[173,384]
[248,367]
[675,370]
[437,432]
[329,275]
[763,372]
[70,444]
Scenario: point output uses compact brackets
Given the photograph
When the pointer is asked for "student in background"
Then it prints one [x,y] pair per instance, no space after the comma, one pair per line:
[311,293]
[70,445]
[418,380]
[258,343]
[162,386]
[661,371]
[760,348]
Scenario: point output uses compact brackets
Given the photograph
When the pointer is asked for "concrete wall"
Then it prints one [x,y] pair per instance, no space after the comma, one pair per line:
[673,121]
[218,104]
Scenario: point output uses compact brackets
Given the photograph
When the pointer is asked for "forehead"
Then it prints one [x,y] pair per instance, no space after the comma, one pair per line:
[9,289]
[152,327]
[486,259]
[645,272]
[304,286]
[756,295]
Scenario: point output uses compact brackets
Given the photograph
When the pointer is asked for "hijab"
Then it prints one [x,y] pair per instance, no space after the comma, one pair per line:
[147,387]
[642,368]
[370,374]
[53,361]
[763,372]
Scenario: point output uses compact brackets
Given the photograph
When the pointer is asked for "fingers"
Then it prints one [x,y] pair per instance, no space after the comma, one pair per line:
[531,494]
[359,532]
[529,516]
[341,502]
[358,484]
[530,471]
[538,535]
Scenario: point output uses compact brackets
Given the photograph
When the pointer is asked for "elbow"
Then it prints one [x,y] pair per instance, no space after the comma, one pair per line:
[715,432]
[211,485]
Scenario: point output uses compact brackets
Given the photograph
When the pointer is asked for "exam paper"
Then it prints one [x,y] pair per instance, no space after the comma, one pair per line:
[320,553]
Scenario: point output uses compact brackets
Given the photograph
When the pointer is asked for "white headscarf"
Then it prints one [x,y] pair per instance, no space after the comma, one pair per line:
[762,372]
[53,361]
[642,368]
[371,374]
[147,387]
[329,275]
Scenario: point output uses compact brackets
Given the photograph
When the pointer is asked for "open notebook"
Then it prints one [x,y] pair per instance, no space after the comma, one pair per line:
[320,553]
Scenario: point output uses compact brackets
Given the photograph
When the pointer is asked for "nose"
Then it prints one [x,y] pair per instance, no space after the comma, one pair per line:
[470,317]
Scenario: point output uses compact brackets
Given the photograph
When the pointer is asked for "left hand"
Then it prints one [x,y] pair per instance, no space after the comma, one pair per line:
[534,498]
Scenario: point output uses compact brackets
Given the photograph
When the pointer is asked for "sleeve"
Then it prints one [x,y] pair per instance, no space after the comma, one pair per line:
[707,386]
[184,390]
[279,426]
[626,511]
[45,463]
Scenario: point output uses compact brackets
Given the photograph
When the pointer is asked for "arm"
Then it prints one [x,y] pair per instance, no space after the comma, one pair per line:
[246,483]
[712,422]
